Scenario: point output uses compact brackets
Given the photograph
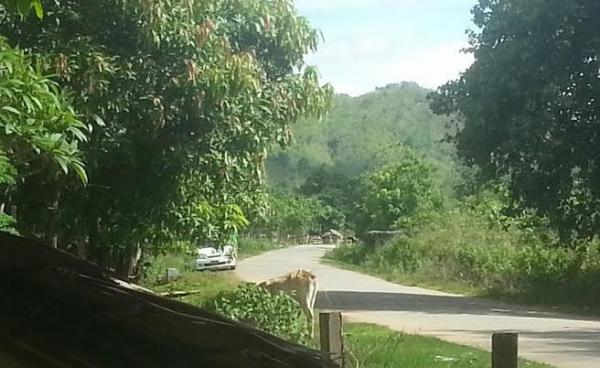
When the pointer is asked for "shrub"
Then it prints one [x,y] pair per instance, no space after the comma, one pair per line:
[473,245]
[278,314]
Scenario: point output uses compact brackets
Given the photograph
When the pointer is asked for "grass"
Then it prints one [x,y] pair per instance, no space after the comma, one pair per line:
[423,280]
[251,247]
[416,280]
[210,284]
[366,345]
[372,346]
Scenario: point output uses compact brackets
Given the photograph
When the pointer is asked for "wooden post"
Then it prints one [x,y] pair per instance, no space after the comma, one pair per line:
[505,350]
[332,344]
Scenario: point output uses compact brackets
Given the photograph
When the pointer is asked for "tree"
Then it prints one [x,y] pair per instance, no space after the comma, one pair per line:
[396,195]
[530,108]
[188,95]
[24,6]
[39,131]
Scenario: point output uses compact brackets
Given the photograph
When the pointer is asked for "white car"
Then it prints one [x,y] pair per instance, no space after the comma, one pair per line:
[210,258]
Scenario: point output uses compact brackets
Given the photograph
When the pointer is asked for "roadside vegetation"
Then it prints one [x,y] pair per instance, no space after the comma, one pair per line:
[467,249]
[488,185]
[371,346]
[366,345]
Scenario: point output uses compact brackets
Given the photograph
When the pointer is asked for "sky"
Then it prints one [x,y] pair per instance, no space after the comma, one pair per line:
[372,43]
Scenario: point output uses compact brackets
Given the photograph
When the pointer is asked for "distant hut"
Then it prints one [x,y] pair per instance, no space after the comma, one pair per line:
[351,239]
[332,237]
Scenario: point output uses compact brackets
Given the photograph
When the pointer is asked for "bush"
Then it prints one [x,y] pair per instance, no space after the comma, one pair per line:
[278,314]
[155,267]
[474,247]
[249,247]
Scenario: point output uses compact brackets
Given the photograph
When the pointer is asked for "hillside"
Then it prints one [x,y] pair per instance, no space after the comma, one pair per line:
[363,133]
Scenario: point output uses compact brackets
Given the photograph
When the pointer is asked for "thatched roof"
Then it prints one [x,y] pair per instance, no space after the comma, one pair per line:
[59,311]
[334,233]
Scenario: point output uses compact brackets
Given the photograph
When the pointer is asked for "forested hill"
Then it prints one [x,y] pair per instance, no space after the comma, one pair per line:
[363,133]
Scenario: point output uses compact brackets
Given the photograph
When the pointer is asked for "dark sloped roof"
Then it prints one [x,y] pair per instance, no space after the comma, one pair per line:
[59,311]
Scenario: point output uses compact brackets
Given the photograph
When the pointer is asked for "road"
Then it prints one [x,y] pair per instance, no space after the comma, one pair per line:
[561,340]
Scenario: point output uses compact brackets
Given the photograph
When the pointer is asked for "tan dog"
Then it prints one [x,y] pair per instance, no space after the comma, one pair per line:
[301,285]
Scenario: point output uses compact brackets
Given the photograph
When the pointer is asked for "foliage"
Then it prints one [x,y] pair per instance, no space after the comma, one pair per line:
[7,223]
[39,131]
[210,284]
[251,247]
[23,7]
[180,257]
[278,314]
[397,195]
[375,347]
[204,221]
[360,135]
[529,107]
[475,247]
[186,97]
[294,215]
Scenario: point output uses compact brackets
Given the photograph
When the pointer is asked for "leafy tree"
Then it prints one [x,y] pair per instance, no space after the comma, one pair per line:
[37,123]
[24,6]
[396,196]
[363,133]
[188,95]
[39,131]
[292,214]
[529,107]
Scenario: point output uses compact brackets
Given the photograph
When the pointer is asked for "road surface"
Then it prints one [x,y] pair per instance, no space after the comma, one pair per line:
[561,340]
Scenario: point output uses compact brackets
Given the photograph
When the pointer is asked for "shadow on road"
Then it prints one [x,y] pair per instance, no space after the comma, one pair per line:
[431,304]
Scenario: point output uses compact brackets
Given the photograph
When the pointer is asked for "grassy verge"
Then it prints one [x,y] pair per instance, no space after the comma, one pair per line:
[210,284]
[251,247]
[366,345]
[444,274]
[408,279]
[378,347]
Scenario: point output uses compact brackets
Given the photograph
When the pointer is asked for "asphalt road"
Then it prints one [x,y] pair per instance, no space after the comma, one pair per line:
[560,340]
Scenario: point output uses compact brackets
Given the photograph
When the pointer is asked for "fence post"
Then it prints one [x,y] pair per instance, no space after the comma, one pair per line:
[505,350]
[332,344]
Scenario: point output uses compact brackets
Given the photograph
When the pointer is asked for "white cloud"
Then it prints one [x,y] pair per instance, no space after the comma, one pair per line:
[334,5]
[360,67]
[371,43]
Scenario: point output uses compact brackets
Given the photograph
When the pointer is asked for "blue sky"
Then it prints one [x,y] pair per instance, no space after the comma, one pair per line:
[370,43]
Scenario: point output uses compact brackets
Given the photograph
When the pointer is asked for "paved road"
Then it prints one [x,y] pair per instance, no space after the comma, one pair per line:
[563,341]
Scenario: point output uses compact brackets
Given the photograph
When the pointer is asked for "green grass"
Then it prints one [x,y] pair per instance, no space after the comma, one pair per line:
[371,346]
[423,280]
[367,346]
[209,283]
[251,247]
[417,280]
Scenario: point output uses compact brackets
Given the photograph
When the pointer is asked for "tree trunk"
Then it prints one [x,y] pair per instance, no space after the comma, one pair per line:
[128,262]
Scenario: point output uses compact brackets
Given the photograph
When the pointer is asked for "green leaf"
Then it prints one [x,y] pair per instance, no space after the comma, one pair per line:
[62,163]
[80,170]
[39,10]
[11,109]
[98,120]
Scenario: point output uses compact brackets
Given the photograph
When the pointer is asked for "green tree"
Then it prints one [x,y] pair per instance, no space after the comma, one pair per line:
[23,7]
[39,131]
[362,134]
[188,95]
[396,196]
[529,107]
